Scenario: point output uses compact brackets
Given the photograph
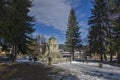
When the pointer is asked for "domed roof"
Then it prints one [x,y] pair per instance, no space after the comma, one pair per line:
[52,38]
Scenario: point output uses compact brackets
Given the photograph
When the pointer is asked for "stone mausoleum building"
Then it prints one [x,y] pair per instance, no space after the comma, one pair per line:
[52,50]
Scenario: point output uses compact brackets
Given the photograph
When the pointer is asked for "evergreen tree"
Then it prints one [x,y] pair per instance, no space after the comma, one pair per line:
[72,34]
[22,24]
[99,22]
[92,40]
[116,29]
[114,11]
[115,6]
[116,38]
[18,25]
[4,22]
[1,19]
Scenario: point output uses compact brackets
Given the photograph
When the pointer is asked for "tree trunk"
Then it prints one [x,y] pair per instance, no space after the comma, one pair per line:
[111,56]
[14,53]
[105,57]
[90,54]
[118,58]
[79,53]
[101,56]
[72,54]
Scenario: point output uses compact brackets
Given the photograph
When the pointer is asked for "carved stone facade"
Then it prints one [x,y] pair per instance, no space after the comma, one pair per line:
[52,51]
[53,47]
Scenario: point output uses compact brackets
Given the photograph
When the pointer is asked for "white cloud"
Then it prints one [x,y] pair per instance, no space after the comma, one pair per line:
[74,3]
[51,12]
[56,12]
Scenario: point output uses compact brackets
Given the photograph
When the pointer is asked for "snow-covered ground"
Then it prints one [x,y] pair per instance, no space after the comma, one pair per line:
[89,71]
[82,71]
[22,60]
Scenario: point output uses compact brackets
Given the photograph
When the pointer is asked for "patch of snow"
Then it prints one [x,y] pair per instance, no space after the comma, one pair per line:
[23,60]
[90,71]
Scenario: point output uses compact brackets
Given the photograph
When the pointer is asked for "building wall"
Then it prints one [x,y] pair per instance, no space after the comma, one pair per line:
[53,47]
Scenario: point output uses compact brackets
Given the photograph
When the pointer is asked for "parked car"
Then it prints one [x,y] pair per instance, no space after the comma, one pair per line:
[6,58]
[1,58]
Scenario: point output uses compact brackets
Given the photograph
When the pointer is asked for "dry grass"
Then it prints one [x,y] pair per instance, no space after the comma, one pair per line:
[24,72]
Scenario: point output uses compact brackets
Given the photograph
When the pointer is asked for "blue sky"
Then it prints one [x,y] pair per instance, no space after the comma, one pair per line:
[52,17]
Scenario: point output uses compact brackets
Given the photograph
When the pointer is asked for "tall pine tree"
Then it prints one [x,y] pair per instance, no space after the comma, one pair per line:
[73,39]
[18,25]
[99,23]
[115,6]
[23,26]
[2,5]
